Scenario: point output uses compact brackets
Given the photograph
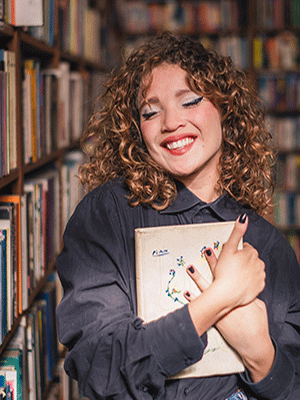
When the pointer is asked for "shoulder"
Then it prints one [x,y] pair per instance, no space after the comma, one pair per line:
[110,195]
[262,234]
[113,189]
[108,205]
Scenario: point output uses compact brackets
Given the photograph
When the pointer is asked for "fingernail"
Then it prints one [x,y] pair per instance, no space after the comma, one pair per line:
[208,252]
[191,269]
[242,218]
[187,294]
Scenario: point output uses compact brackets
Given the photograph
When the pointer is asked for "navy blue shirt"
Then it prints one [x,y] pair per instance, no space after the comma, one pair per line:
[112,353]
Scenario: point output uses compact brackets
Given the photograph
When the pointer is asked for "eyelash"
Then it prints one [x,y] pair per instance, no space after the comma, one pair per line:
[193,102]
[198,100]
[147,116]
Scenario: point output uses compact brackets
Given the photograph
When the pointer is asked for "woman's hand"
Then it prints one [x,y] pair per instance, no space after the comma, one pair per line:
[245,328]
[238,274]
[239,277]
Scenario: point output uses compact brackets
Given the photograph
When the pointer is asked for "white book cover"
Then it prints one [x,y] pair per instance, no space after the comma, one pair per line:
[28,13]
[162,255]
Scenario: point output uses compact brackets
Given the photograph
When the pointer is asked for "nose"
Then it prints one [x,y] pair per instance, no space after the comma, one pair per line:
[172,120]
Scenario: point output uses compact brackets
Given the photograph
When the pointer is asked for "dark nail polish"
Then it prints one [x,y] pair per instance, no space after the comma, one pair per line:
[191,269]
[208,252]
[242,218]
[187,294]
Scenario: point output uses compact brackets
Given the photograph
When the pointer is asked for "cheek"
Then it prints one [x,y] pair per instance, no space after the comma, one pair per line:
[148,134]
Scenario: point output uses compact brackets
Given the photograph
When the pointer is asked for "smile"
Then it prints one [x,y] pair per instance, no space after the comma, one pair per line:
[179,144]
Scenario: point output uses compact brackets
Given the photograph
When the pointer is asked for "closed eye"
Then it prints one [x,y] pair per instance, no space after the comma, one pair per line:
[148,115]
[193,102]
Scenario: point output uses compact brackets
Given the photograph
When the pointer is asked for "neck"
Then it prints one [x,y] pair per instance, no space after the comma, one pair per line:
[204,189]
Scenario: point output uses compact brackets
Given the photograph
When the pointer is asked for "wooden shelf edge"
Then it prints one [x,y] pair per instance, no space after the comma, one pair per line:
[36,44]
[10,178]
[50,158]
[6,29]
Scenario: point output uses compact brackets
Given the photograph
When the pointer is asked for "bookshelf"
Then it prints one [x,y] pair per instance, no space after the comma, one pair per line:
[261,36]
[48,92]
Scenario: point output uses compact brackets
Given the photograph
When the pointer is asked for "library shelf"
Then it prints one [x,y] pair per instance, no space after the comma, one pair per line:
[31,299]
[50,163]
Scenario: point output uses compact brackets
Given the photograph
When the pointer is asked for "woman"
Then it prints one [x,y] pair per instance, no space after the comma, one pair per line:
[180,140]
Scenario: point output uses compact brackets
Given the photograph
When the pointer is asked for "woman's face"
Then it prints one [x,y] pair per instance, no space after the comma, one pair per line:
[182,130]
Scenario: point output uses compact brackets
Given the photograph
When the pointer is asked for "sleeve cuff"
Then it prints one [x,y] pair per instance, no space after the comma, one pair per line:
[175,341]
[277,384]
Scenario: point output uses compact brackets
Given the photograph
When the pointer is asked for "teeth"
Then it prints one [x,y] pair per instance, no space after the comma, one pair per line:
[179,144]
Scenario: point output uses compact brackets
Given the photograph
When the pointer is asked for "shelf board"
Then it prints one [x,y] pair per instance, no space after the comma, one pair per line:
[6,30]
[50,158]
[35,45]
[47,159]
[10,178]
[79,60]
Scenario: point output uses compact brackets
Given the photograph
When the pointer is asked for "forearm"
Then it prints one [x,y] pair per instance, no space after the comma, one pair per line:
[208,308]
[260,364]
[280,383]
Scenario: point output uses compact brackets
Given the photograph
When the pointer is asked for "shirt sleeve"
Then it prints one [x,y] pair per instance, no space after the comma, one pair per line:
[283,303]
[112,353]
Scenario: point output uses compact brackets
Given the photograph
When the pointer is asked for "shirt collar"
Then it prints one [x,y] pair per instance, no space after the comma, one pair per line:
[225,206]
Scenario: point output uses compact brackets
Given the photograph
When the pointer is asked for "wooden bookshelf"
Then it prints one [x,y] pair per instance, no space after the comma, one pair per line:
[26,43]
[122,36]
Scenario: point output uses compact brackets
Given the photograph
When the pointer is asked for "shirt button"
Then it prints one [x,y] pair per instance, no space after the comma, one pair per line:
[186,391]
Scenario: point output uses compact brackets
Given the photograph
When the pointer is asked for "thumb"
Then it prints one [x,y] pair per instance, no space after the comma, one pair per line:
[238,232]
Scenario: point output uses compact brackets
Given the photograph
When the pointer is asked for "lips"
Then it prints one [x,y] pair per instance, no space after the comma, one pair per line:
[178,144]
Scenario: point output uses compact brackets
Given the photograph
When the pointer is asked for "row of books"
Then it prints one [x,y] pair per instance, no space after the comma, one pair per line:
[280,91]
[287,209]
[276,52]
[287,172]
[80,28]
[28,364]
[8,116]
[57,103]
[46,31]
[270,14]
[66,388]
[293,236]
[285,131]
[186,17]
[232,46]
[31,363]
[30,234]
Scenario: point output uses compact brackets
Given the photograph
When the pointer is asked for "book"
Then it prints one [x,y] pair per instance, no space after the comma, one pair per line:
[27,12]
[11,363]
[3,283]
[7,226]
[162,255]
[50,331]
[21,267]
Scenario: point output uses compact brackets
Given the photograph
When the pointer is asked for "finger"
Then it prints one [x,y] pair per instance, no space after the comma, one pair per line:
[211,259]
[197,278]
[238,232]
[189,296]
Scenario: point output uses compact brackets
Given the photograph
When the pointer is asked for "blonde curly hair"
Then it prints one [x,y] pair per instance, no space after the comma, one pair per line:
[245,165]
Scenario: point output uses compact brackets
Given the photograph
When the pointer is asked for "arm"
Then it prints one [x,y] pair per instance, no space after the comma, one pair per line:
[111,352]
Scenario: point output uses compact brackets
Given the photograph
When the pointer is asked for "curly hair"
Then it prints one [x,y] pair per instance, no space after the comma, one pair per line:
[245,165]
